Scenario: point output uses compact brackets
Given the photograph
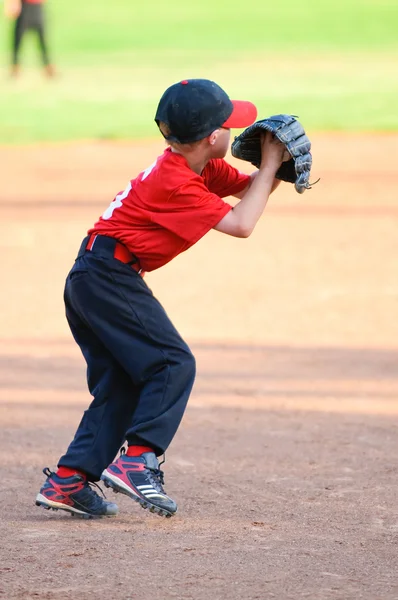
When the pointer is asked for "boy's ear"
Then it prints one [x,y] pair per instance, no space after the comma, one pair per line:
[213,137]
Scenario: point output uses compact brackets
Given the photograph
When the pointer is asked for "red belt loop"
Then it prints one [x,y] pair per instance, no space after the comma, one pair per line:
[91,241]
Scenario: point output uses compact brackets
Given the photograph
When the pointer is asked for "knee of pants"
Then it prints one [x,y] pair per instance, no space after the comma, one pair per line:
[187,365]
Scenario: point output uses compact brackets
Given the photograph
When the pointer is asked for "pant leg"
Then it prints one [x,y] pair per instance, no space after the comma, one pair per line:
[41,32]
[103,427]
[18,32]
[117,305]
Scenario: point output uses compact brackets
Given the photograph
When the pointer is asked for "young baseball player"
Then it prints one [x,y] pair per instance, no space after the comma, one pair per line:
[139,370]
[28,15]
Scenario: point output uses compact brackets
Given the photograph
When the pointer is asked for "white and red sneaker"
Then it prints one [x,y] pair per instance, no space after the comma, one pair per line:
[75,495]
[140,478]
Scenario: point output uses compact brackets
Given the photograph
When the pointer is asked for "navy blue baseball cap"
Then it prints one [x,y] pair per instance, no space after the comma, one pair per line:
[193,108]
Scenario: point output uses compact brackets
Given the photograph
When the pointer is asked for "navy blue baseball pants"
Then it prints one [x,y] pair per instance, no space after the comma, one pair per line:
[139,370]
[30,17]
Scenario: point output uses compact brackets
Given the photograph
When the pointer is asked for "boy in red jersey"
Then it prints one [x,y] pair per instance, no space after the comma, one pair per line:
[139,370]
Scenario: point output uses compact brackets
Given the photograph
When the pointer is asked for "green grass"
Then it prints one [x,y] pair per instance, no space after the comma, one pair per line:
[333,64]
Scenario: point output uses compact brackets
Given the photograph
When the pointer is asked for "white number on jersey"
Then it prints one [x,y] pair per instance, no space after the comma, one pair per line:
[116,203]
[148,171]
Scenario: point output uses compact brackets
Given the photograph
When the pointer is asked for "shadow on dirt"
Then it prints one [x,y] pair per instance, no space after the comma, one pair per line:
[257,367]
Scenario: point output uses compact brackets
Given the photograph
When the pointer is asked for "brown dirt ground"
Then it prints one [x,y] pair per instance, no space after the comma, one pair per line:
[285,465]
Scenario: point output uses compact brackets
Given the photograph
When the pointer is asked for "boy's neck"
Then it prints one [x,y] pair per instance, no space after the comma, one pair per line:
[195,159]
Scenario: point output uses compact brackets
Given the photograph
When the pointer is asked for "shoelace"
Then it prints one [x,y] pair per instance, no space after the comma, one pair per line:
[156,476]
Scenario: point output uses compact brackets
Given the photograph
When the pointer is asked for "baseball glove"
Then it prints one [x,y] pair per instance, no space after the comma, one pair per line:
[247,146]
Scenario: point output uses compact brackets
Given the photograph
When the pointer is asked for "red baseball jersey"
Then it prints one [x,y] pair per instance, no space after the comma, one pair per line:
[169,207]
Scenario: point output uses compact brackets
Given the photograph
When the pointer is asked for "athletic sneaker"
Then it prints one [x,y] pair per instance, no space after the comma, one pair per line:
[75,495]
[140,478]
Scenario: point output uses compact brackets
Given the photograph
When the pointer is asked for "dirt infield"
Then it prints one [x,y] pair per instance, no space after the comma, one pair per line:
[285,465]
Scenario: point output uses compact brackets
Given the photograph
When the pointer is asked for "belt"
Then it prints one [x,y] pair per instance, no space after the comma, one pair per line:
[105,245]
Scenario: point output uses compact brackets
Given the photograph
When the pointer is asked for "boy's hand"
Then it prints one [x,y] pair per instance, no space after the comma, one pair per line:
[273,152]
[251,147]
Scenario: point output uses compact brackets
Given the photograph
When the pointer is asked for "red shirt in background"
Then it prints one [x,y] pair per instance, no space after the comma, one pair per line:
[168,207]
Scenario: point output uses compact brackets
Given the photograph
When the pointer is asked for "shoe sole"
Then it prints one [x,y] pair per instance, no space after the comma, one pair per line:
[110,481]
[49,505]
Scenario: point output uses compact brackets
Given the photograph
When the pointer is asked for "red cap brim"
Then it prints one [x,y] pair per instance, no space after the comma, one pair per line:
[243,115]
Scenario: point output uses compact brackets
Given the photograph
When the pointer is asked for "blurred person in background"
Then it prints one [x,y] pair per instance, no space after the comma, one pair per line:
[28,15]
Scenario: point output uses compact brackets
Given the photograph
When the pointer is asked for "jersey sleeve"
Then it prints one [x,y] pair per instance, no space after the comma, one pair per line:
[192,211]
[223,179]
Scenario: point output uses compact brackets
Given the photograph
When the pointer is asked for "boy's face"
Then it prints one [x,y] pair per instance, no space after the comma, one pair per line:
[221,142]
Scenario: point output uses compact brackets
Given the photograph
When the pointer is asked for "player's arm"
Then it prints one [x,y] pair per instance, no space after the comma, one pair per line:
[12,8]
[242,218]
[252,178]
